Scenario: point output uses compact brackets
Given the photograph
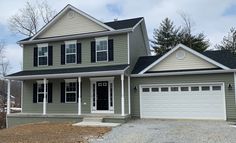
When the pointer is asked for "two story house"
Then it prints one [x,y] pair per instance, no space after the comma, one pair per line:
[77,66]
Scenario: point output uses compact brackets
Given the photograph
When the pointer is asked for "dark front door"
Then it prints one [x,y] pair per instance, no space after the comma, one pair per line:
[102,95]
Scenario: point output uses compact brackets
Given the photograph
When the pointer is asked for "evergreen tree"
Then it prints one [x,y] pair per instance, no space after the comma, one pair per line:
[165,37]
[229,42]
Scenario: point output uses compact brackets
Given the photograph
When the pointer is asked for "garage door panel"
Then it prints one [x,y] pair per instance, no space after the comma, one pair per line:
[183,104]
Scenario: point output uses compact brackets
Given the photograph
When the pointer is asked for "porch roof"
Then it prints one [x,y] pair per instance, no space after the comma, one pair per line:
[69,72]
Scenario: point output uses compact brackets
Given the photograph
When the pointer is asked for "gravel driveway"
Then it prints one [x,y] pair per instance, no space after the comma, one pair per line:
[171,131]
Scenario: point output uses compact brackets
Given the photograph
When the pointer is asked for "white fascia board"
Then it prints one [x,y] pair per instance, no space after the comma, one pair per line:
[67,75]
[187,49]
[70,37]
[61,13]
[184,73]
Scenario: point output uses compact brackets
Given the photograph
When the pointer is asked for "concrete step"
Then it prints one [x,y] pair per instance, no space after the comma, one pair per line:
[92,119]
[96,124]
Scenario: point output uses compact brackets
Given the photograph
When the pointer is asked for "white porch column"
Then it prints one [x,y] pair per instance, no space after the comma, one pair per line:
[129,94]
[122,96]
[44,96]
[8,96]
[79,96]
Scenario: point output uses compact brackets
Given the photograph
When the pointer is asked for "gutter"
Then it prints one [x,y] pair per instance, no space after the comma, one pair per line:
[184,73]
[87,35]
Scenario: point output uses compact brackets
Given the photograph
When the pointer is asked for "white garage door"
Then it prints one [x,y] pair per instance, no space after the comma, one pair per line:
[183,101]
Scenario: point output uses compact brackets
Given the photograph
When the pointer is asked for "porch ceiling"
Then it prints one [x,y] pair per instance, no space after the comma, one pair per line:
[69,72]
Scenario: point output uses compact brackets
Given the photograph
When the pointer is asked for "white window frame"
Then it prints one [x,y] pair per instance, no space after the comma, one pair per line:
[39,47]
[97,51]
[94,81]
[67,43]
[39,82]
[71,81]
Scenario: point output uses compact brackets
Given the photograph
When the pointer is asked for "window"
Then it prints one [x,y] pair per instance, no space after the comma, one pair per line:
[174,89]
[155,89]
[70,91]
[184,88]
[194,88]
[164,89]
[42,54]
[102,49]
[216,87]
[205,88]
[145,89]
[40,92]
[70,51]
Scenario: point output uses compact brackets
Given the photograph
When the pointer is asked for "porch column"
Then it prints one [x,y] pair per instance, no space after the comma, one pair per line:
[122,96]
[79,96]
[8,96]
[129,94]
[44,96]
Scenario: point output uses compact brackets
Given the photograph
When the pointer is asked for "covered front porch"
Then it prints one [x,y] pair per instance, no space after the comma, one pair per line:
[74,95]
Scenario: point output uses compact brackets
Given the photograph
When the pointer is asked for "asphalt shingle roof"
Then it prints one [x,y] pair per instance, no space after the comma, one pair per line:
[223,57]
[122,24]
[70,70]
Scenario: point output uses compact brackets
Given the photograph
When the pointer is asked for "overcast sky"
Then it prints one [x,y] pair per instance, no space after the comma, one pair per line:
[212,17]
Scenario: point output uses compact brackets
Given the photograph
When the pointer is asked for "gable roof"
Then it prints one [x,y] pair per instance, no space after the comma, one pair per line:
[70,7]
[123,24]
[224,58]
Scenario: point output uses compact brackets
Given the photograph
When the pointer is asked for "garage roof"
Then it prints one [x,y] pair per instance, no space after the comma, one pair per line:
[224,57]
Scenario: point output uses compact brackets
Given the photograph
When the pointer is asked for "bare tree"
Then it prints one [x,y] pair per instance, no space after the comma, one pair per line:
[28,20]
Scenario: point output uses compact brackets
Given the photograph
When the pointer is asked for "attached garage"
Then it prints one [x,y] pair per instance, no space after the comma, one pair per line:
[183,101]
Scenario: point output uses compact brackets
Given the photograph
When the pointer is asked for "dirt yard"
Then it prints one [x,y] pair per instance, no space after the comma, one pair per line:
[51,133]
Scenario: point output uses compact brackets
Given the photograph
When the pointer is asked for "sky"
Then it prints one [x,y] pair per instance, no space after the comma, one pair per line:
[212,17]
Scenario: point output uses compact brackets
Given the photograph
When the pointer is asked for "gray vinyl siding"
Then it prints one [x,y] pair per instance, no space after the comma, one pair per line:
[70,108]
[120,54]
[137,46]
[226,78]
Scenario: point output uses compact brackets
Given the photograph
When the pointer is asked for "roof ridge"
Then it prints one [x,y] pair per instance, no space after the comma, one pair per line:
[124,20]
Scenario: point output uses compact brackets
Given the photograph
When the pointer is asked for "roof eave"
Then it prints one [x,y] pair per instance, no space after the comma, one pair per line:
[87,35]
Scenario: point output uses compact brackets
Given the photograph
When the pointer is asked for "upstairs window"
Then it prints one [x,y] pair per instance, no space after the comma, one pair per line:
[70,52]
[42,54]
[102,49]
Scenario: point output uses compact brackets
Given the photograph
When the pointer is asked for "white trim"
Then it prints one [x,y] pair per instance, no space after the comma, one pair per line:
[181,84]
[122,96]
[67,43]
[235,87]
[22,95]
[183,73]
[79,96]
[45,92]
[68,75]
[128,48]
[94,81]
[61,13]
[187,49]
[8,97]
[77,36]
[129,102]
[71,81]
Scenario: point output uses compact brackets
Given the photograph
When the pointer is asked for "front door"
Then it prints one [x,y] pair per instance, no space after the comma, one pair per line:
[102,95]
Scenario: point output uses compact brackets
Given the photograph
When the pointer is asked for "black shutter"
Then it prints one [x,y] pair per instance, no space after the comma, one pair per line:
[93,56]
[63,92]
[49,92]
[63,54]
[35,56]
[110,50]
[35,93]
[79,53]
[50,55]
